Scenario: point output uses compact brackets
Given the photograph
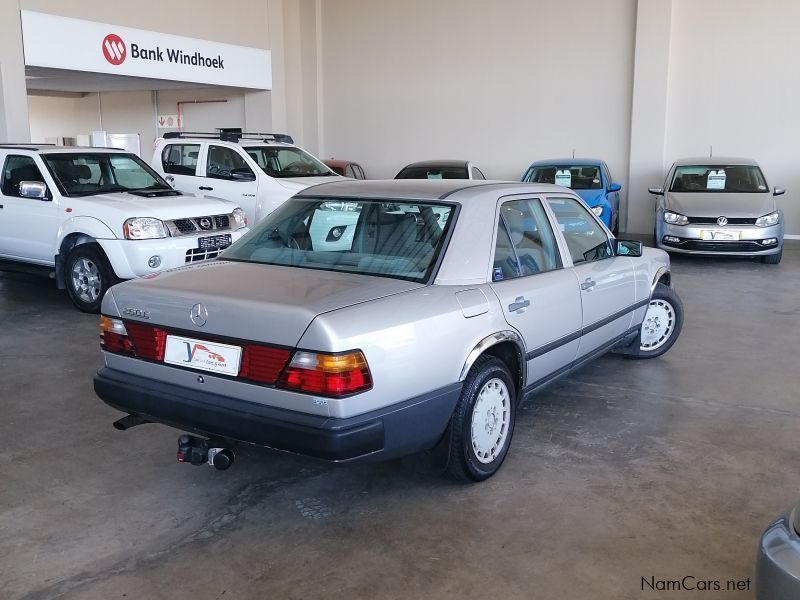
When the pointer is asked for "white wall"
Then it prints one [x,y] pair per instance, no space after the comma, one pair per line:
[501,84]
[734,85]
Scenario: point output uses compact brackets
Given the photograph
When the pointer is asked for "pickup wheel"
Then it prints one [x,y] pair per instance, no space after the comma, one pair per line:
[661,325]
[483,421]
[87,275]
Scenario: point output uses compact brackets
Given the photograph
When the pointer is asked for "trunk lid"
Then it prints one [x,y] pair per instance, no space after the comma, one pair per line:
[245,301]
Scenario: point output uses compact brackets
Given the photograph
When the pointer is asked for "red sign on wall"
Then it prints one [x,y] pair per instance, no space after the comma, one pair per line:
[114,49]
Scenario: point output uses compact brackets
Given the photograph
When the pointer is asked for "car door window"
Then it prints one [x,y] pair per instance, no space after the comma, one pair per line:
[180,159]
[477,174]
[586,239]
[525,242]
[16,170]
[222,161]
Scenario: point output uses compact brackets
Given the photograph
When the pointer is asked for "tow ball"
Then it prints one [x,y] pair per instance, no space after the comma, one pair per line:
[196,451]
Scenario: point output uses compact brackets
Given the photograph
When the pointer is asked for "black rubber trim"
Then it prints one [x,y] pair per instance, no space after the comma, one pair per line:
[530,355]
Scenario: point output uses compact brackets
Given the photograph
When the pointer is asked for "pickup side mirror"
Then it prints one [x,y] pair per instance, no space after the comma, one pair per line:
[242,174]
[614,187]
[778,191]
[629,248]
[33,189]
[657,191]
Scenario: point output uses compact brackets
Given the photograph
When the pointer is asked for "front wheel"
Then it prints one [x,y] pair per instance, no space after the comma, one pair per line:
[88,275]
[772,259]
[483,421]
[661,325]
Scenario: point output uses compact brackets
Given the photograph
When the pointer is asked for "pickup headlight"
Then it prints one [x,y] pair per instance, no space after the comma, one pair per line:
[598,210]
[239,218]
[768,220]
[675,218]
[144,228]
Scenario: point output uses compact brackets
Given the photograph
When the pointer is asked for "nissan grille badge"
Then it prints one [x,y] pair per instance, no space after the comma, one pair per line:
[205,223]
[722,221]
[199,315]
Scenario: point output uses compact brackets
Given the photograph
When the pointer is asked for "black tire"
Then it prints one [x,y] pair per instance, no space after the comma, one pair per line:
[664,294]
[463,462]
[89,296]
[772,259]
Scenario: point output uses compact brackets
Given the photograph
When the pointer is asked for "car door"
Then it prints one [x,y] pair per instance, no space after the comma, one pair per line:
[539,297]
[607,282]
[28,226]
[613,197]
[228,175]
[179,163]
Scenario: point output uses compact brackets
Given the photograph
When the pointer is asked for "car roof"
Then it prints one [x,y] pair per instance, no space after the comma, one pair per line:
[455,190]
[714,161]
[438,163]
[568,162]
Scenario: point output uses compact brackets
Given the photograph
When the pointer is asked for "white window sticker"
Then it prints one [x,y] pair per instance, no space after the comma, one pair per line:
[434,174]
[716,180]
[563,177]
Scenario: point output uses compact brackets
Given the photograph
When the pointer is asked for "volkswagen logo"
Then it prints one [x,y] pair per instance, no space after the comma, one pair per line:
[722,221]
[198,315]
[205,223]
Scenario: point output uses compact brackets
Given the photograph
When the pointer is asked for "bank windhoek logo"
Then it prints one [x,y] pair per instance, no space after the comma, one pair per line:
[114,49]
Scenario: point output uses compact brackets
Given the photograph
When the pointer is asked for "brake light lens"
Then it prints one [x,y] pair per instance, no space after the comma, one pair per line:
[334,375]
[114,336]
[262,363]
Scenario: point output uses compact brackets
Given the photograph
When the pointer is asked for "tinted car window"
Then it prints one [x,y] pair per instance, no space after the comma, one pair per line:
[585,177]
[424,172]
[180,159]
[222,161]
[586,239]
[718,179]
[525,242]
[16,170]
[89,173]
[277,161]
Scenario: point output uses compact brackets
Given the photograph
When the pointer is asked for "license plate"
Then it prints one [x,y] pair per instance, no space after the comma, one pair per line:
[202,355]
[214,242]
[723,236]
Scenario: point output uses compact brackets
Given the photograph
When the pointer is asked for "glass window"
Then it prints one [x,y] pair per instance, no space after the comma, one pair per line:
[287,161]
[477,174]
[350,172]
[586,239]
[18,169]
[361,174]
[399,239]
[180,159]
[223,161]
[89,173]
[718,178]
[433,172]
[525,242]
[576,177]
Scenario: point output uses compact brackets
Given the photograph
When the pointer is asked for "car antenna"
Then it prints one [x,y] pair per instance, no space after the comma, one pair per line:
[573,153]
[710,151]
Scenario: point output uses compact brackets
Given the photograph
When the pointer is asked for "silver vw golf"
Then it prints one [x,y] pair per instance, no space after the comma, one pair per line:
[367,320]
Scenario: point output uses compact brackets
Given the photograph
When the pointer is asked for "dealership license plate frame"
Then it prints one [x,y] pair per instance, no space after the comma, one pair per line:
[719,235]
[192,353]
[215,242]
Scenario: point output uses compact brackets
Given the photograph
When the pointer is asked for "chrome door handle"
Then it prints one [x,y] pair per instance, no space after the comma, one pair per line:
[588,284]
[205,187]
[520,303]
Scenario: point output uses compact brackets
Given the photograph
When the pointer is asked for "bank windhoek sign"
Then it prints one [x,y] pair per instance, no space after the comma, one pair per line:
[64,43]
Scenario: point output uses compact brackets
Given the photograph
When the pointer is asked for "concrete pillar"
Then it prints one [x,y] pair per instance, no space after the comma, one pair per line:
[13,94]
[649,111]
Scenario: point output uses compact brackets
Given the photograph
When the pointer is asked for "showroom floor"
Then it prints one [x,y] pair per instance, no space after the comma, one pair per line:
[626,470]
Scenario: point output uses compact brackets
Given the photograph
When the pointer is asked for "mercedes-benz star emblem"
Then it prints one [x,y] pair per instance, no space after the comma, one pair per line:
[722,221]
[205,223]
[199,315]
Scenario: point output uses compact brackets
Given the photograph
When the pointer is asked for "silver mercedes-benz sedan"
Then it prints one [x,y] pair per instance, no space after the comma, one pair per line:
[778,565]
[367,320]
[721,206]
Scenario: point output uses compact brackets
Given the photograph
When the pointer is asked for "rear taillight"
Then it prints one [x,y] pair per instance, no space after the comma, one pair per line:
[333,375]
[262,363]
[132,339]
[114,336]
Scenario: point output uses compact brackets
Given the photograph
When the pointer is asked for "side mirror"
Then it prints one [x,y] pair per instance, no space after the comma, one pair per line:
[656,191]
[614,187]
[629,248]
[778,191]
[33,189]
[243,174]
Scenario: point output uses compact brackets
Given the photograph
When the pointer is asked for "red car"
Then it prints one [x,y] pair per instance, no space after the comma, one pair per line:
[346,168]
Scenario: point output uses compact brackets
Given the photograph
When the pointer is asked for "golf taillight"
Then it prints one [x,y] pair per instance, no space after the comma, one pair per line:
[114,336]
[335,375]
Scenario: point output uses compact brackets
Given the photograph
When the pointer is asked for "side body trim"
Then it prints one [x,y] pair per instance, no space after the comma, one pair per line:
[493,340]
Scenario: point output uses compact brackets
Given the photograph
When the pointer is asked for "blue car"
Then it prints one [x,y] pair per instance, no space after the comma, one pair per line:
[591,180]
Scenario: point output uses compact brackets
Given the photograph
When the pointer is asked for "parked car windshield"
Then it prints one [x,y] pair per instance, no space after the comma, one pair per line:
[89,173]
[423,172]
[387,238]
[576,177]
[278,161]
[718,178]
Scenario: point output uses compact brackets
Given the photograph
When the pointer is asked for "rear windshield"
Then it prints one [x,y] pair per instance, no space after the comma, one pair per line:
[89,173]
[454,172]
[395,239]
[718,178]
[277,161]
[576,177]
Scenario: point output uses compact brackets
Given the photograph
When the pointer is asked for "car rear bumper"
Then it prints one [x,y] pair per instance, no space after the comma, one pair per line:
[398,430]
[778,565]
[689,239]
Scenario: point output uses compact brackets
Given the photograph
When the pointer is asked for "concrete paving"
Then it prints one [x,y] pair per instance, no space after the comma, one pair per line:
[626,470]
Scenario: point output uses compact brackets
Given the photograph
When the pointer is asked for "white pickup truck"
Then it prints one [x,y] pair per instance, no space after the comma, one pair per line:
[93,216]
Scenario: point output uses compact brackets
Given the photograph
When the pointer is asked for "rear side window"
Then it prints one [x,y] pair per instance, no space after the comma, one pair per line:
[180,159]
[16,170]
[525,241]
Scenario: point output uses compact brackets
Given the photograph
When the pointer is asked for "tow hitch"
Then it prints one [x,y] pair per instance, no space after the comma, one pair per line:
[196,451]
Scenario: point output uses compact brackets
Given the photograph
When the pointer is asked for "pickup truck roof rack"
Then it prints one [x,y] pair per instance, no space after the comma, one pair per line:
[231,134]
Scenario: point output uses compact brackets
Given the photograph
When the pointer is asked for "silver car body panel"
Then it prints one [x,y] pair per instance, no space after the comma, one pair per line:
[778,563]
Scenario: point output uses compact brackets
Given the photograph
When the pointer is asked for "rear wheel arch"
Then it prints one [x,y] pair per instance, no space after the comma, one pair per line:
[508,347]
